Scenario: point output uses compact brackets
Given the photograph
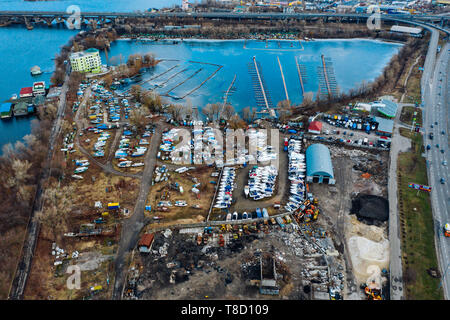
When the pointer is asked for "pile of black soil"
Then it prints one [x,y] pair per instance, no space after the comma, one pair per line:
[370,208]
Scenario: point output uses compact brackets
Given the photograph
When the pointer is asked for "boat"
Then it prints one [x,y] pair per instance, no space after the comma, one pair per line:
[81,169]
[35,71]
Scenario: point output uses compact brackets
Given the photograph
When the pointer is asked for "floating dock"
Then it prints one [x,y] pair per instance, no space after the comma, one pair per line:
[261,94]
[179,84]
[230,88]
[327,80]
[204,81]
[301,70]
[284,81]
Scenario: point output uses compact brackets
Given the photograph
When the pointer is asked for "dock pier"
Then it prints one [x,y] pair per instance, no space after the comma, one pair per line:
[284,81]
[327,79]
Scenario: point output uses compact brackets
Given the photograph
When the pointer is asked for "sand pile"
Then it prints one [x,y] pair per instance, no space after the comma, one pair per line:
[365,254]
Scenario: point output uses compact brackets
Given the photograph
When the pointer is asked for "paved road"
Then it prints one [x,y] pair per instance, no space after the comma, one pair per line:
[398,144]
[436,110]
[24,266]
[132,227]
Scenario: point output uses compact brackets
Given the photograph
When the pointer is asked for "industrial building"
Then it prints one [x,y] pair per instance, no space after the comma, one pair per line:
[385,126]
[386,107]
[86,61]
[319,168]
[145,244]
[413,32]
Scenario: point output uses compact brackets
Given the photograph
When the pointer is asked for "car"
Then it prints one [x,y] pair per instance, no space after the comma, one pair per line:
[442,150]
[444,163]
[442,180]
[443,132]
[437,145]
[435,122]
[432,126]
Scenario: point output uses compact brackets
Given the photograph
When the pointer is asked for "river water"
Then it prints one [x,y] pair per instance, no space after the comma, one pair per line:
[353,61]
[194,61]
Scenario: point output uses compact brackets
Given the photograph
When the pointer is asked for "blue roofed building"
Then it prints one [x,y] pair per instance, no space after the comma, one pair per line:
[319,168]
[5,110]
[385,126]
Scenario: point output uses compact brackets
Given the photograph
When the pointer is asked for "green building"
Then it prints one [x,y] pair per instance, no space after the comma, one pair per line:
[86,61]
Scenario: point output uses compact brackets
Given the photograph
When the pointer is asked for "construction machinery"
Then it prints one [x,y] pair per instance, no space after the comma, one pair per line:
[372,294]
[221,240]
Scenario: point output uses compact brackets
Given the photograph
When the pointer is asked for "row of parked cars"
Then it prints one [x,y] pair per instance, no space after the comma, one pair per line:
[349,122]
[258,213]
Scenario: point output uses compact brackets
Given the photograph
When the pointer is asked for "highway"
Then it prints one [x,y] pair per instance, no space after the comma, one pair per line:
[227,15]
[435,98]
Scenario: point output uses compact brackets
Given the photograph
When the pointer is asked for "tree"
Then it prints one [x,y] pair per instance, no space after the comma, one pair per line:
[228,112]
[176,110]
[137,118]
[208,112]
[136,92]
[54,216]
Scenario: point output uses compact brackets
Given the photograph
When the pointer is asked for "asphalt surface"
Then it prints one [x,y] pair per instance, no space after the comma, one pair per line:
[436,103]
[132,226]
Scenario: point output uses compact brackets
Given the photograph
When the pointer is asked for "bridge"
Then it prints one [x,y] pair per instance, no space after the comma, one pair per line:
[108,18]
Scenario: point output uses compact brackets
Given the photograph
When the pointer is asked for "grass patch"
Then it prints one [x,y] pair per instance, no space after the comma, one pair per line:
[407,115]
[416,221]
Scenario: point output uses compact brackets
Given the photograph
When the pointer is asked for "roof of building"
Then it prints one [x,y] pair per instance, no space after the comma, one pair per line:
[385,125]
[88,52]
[5,107]
[26,90]
[315,126]
[146,239]
[318,161]
[20,107]
[390,109]
[406,29]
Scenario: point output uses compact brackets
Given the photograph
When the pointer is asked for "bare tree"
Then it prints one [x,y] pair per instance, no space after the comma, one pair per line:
[228,112]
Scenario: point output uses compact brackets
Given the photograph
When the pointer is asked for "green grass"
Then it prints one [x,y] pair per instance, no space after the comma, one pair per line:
[416,220]
[408,114]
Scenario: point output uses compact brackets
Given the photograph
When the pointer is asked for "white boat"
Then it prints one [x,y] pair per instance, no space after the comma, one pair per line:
[81,169]
[137,164]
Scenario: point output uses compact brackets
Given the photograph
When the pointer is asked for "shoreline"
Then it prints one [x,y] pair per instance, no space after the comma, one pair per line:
[261,40]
